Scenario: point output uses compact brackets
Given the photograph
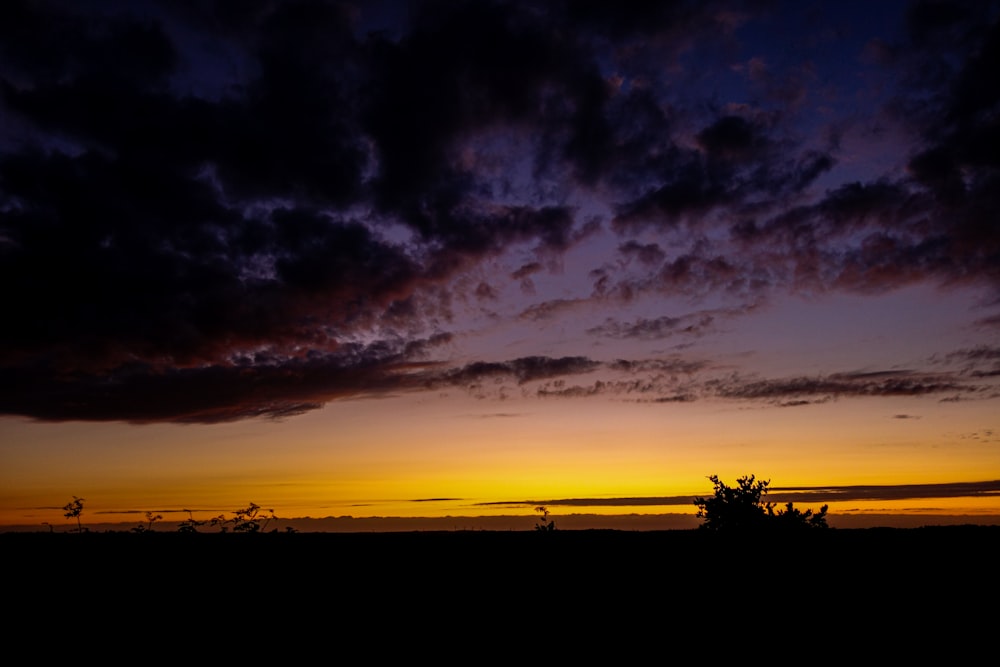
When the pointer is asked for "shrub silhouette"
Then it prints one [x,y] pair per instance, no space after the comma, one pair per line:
[246,520]
[73,509]
[544,525]
[220,522]
[190,524]
[743,508]
[249,520]
[151,519]
[792,517]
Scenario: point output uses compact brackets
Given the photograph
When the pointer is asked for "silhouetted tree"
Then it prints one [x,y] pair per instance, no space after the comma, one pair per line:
[73,509]
[743,508]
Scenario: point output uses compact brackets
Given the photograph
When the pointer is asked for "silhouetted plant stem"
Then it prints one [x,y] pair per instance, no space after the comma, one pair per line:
[72,509]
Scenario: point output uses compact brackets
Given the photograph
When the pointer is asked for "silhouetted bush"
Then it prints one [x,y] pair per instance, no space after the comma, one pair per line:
[150,520]
[246,520]
[743,508]
[249,519]
[190,524]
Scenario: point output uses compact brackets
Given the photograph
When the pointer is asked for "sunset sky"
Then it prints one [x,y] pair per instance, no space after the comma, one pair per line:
[427,259]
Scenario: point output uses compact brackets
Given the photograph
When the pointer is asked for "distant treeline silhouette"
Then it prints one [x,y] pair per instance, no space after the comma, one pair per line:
[739,508]
[249,519]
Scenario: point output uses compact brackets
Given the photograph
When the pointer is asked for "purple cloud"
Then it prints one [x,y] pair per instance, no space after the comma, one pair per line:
[320,197]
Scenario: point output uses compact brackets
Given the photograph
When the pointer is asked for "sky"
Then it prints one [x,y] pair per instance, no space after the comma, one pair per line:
[460,259]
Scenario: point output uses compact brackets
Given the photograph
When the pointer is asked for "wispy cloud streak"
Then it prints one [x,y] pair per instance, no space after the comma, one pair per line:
[793,494]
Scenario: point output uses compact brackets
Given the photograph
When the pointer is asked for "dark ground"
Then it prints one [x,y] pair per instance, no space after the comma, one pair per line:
[890,586]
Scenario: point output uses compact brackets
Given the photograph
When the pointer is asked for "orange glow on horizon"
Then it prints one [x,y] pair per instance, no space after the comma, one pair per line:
[348,460]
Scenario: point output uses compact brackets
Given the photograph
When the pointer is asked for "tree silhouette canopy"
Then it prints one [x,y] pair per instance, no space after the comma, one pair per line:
[72,510]
[743,508]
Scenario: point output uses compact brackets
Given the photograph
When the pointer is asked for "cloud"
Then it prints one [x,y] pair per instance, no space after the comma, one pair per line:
[738,166]
[277,387]
[991,322]
[549,309]
[654,329]
[665,380]
[293,196]
[682,380]
[981,353]
[649,254]
[979,362]
[499,415]
[526,270]
[800,495]
[254,386]
[803,390]
[526,369]
[984,435]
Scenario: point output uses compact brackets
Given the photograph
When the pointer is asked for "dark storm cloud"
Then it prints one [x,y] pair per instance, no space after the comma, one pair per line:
[288,131]
[870,238]
[467,66]
[739,164]
[937,221]
[270,198]
[186,293]
[154,230]
[933,222]
[251,386]
[697,273]
[42,41]
[732,139]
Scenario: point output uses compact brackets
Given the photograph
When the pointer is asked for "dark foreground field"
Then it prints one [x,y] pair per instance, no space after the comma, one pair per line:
[923,585]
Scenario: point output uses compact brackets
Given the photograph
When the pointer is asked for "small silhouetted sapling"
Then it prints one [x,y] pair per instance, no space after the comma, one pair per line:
[544,524]
[150,520]
[73,509]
